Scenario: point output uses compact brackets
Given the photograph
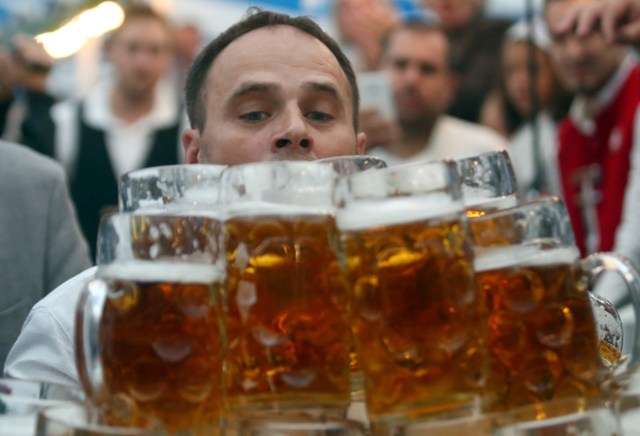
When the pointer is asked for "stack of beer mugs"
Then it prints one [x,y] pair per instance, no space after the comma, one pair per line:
[242,301]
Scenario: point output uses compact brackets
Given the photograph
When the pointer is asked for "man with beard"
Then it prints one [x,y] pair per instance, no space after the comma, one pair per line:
[599,153]
[596,138]
[416,56]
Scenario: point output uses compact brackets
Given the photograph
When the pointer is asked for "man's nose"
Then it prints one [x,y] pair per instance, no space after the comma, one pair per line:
[575,48]
[293,134]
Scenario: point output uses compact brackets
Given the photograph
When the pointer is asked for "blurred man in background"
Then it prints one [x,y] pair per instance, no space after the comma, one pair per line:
[599,141]
[130,120]
[416,56]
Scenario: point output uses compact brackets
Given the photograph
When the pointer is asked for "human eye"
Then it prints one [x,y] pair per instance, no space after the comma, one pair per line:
[254,117]
[321,117]
[400,64]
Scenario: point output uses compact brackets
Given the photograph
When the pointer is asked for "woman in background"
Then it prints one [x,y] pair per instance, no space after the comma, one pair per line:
[513,100]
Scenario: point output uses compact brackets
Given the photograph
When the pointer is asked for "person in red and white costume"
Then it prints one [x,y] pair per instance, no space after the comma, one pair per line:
[599,154]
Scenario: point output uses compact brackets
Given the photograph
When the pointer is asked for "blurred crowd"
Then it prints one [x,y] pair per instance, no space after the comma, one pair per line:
[554,89]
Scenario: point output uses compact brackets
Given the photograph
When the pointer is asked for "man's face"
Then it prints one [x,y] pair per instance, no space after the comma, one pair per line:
[585,64]
[141,52]
[417,61]
[453,14]
[275,93]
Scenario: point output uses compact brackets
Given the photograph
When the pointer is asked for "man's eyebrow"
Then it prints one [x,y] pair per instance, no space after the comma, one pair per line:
[323,87]
[250,88]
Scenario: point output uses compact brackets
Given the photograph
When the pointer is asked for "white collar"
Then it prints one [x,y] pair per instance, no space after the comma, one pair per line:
[584,109]
[98,113]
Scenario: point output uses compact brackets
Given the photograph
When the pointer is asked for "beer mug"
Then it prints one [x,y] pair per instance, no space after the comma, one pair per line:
[21,400]
[285,301]
[415,312]
[170,188]
[489,184]
[148,330]
[541,329]
[347,165]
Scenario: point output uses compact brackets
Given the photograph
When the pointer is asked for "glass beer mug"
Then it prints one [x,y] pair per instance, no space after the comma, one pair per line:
[408,261]
[170,188]
[489,184]
[542,335]
[285,305]
[148,330]
[353,164]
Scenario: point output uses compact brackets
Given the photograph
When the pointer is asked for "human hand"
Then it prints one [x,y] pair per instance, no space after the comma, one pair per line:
[380,131]
[618,20]
[31,63]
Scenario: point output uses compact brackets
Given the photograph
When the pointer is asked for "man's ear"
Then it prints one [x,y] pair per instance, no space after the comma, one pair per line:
[361,145]
[191,142]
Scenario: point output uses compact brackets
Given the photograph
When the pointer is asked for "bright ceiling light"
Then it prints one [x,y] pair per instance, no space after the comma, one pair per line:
[71,36]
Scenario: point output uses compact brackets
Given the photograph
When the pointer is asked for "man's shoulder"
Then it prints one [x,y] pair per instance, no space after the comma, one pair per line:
[61,301]
[455,128]
[17,160]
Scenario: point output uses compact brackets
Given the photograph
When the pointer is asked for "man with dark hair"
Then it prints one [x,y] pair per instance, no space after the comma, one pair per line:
[416,57]
[252,96]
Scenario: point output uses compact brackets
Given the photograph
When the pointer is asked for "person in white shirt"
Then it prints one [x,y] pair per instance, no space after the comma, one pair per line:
[131,119]
[416,56]
[252,95]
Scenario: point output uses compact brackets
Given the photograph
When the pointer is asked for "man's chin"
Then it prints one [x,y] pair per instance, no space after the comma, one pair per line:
[587,90]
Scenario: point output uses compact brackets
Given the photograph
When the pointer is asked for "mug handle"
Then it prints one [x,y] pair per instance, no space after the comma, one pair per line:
[87,338]
[600,262]
[609,328]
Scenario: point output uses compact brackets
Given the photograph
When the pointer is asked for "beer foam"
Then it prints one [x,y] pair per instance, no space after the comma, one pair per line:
[522,255]
[256,208]
[488,202]
[399,210]
[161,271]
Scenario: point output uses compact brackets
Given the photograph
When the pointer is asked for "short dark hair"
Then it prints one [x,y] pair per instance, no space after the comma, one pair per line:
[136,11]
[426,24]
[255,19]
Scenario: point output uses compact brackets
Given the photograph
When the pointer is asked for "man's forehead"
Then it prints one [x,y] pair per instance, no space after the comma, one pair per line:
[408,39]
[274,48]
[267,41]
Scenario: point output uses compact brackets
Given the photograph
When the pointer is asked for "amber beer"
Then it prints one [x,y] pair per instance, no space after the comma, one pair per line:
[415,314]
[160,337]
[285,312]
[541,331]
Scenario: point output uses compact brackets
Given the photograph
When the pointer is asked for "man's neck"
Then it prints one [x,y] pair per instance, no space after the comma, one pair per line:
[415,138]
[129,108]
